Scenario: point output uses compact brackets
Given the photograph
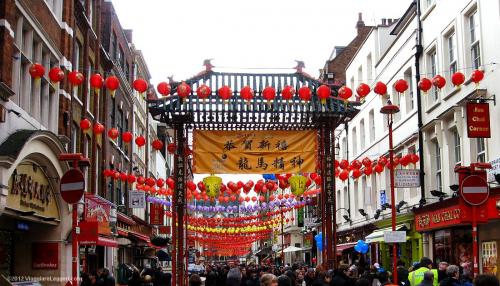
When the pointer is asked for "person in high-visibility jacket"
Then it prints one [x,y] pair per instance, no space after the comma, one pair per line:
[416,277]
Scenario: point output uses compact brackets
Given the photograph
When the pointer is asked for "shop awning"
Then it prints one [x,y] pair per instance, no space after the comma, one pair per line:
[345,246]
[378,235]
[291,249]
[138,236]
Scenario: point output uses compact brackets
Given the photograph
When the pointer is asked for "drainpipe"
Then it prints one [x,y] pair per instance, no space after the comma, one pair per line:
[418,54]
[346,125]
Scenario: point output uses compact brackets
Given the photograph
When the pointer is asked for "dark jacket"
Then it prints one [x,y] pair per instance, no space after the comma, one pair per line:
[448,281]
[403,276]
[340,279]
[425,283]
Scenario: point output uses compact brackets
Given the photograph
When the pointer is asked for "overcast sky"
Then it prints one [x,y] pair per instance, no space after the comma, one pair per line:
[177,35]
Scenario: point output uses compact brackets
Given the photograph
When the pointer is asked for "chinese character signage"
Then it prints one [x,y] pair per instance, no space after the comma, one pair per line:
[407,178]
[478,120]
[156,214]
[254,152]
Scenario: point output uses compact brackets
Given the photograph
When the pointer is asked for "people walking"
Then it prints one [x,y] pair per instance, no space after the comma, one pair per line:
[417,276]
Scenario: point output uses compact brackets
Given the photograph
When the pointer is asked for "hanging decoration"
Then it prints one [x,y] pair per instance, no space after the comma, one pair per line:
[76,78]
[203,91]
[344,164]
[85,124]
[425,84]
[269,93]
[113,133]
[225,93]
[163,88]
[98,129]
[246,94]
[457,79]
[298,184]
[171,148]
[380,88]
[379,168]
[96,82]
[344,175]
[183,90]
[345,93]
[401,85]
[363,90]
[367,162]
[157,144]
[112,83]
[140,85]
[37,71]
[140,141]
[477,76]
[438,81]
[213,185]
[305,93]
[287,93]
[56,75]
[323,93]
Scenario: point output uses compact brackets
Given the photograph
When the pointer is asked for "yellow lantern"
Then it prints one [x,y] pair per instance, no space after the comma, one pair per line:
[298,184]
[212,185]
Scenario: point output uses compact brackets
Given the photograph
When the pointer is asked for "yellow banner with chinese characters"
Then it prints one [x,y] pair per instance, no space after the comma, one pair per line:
[254,152]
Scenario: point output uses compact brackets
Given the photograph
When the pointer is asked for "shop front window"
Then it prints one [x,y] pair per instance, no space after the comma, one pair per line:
[442,245]
[453,246]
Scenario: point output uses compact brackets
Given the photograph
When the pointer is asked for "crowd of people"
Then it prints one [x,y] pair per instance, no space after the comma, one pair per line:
[424,273]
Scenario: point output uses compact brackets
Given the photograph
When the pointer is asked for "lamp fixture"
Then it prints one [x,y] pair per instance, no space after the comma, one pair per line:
[347,218]
[400,205]
[362,212]
[439,194]
[377,214]
[386,206]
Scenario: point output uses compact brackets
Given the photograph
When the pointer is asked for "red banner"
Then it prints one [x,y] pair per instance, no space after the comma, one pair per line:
[156,214]
[164,229]
[45,255]
[478,120]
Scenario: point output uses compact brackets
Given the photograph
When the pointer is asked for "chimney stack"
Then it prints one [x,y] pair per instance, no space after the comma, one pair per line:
[360,24]
[384,21]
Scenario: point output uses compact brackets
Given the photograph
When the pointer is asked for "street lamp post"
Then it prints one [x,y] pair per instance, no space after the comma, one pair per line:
[390,110]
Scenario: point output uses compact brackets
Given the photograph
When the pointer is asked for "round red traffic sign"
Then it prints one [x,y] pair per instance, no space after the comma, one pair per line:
[72,186]
[474,190]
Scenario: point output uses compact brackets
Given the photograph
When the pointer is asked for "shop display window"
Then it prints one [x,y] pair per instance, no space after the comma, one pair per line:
[453,246]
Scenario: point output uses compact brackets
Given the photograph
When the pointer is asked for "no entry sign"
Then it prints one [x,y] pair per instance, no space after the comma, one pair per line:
[474,190]
[72,186]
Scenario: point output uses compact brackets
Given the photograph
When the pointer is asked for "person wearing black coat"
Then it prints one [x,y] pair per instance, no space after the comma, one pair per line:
[341,276]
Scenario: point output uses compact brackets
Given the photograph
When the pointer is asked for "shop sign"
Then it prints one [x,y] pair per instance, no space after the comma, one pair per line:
[30,190]
[495,169]
[164,229]
[309,221]
[395,236]
[308,240]
[407,178]
[383,197]
[478,120]
[488,256]
[442,218]
[156,214]
[45,255]
[98,210]
[255,152]
[136,199]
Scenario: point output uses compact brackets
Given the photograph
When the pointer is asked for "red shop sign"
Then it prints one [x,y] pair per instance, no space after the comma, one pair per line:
[444,217]
[478,120]
[156,214]
[45,255]
[164,229]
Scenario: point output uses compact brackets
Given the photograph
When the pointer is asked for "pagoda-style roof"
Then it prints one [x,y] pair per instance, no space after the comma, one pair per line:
[257,114]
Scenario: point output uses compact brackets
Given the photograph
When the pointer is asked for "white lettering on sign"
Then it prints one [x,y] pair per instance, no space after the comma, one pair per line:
[495,169]
[475,190]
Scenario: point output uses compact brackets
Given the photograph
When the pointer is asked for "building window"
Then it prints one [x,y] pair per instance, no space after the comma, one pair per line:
[369,68]
[457,147]
[474,40]
[119,125]
[481,150]
[439,181]
[354,141]
[360,74]
[451,44]
[409,94]
[112,46]
[396,100]
[344,148]
[352,83]
[371,118]
[362,134]
[432,71]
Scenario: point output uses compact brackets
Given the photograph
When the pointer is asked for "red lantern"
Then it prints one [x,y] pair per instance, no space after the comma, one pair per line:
[246,93]
[379,168]
[140,85]
[363,90]
[112,83]
[477,76]
[123,177]
[344,164]
[401,85]
[305,93]
[96,81]
[190,185]
[171,148]
[37,71]
[439,81]
[131,179]
[76,78]
[356,173]
[85,124]
[141,180]
[382,161]
[171,183]
[323,93]
[336,164]
[367,162]
[140,141]
[157,144]
[356,164]
[368,171]
[98,128]
[56,74]
[457,78]
[113,133]
[405,160]
[380,88]
[288,92]
[183,90]
[414,158]
[150,182]
[116,175]
[345,93]
[203,91]
[425,84]
[160,182]
[344,175]
[269,93]
[127,137]
[225,93]
[163,88]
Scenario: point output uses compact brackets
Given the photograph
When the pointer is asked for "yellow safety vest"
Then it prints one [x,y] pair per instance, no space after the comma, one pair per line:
[416,277]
